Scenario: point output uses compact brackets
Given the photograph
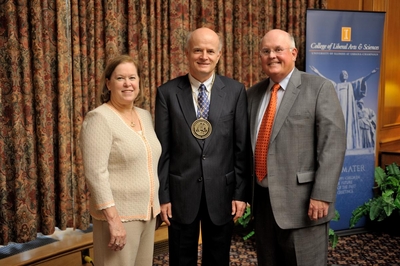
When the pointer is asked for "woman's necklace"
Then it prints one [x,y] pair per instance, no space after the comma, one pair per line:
[133,124]
[131,120]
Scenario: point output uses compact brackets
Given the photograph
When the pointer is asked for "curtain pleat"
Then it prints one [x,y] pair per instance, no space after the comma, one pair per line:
[52,56]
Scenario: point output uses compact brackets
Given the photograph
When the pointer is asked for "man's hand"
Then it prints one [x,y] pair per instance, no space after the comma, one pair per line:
[318,209]
[238,208]
[166,213]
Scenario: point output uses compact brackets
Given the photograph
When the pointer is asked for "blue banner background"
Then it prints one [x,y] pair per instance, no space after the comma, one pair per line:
[329,54]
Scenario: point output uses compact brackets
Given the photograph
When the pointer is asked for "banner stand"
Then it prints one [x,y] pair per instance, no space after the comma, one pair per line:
[345,47]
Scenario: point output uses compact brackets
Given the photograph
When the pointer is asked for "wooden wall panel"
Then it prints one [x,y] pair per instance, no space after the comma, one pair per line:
[389,104]
[391,99]
[387,158]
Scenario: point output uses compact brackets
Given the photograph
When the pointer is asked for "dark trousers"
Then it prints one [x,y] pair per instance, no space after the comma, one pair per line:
[183,241]
[306,246]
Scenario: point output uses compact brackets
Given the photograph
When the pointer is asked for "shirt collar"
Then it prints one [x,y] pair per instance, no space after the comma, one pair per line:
[196,84]
[284,83]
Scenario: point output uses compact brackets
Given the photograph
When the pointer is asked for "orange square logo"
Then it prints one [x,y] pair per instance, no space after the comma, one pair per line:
[346,34]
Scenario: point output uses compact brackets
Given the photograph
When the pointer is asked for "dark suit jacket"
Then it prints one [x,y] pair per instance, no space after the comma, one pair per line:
[186,162]
[306,149]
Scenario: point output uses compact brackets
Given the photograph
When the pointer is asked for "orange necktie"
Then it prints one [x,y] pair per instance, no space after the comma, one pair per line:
[264,135]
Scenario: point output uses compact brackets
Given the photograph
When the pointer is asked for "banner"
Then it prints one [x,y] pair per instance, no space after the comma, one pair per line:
[345,47]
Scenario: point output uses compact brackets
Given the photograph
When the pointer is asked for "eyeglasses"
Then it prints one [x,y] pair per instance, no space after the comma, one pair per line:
[277,51]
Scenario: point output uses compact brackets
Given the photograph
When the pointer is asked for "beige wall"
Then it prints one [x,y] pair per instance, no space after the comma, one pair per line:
[388,131]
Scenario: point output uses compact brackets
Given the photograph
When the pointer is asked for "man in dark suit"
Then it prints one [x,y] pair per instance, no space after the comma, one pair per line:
[203,165]
[294,197]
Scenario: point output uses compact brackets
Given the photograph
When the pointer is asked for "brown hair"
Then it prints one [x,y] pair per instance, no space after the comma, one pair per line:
[105,94]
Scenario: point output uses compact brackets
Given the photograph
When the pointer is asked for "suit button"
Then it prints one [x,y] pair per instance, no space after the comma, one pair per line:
[204,157]
[200,179]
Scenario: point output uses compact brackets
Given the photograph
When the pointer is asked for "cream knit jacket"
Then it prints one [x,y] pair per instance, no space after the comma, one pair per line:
[120,164]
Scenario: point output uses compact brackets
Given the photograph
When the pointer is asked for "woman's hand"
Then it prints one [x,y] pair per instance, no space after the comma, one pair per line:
[117,229]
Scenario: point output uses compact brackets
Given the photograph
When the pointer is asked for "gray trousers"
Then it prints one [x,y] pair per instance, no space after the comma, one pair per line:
[292,247]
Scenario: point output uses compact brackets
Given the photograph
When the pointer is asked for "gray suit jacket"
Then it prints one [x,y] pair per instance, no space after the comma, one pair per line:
[306,150]
[219,164]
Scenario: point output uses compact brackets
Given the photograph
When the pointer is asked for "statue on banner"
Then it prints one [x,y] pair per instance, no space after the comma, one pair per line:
[349,93]
[367,123]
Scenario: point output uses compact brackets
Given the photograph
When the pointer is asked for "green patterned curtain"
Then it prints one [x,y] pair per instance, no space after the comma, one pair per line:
[52,54]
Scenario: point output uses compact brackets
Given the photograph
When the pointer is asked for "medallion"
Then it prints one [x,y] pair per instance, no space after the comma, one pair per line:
[201,128]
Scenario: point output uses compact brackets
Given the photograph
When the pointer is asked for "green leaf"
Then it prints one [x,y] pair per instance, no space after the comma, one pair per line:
[397,201]
[337,216]
[359,212]
[245,219]
[388,209]
[249,235]
[376,207]
[393,170]
[387,196]
[380,176]
[333,238]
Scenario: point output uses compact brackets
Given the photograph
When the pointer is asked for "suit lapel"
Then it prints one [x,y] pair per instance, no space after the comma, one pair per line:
[291,93]
[185,100]
[216,104]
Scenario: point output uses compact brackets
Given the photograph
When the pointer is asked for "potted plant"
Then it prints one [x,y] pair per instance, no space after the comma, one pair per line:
[384,207]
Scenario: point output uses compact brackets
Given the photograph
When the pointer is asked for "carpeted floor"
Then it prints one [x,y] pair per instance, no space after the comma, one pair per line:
[371,248]
[357,249]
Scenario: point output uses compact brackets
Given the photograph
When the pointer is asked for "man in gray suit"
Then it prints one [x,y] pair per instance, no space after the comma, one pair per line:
[204,162]
[294,202]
